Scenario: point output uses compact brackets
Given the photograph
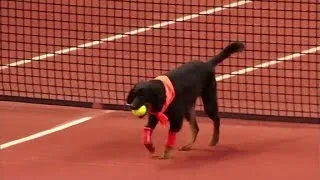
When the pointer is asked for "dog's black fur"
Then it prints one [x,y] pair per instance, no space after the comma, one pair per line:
[191,80]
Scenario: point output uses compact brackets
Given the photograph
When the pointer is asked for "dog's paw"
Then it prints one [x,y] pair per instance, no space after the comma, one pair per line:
[214,141]
[186,148]
[150,148]
[165,156]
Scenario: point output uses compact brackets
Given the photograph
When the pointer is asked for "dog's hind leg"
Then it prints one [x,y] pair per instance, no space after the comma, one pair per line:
[210,102]
[190,115]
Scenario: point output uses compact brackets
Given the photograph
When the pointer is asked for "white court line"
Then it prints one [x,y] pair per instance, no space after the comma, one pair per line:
[123,35]
[49,131]
[268,63]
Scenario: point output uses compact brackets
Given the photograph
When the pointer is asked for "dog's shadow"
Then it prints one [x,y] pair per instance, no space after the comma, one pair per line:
[197,158]
[122,149]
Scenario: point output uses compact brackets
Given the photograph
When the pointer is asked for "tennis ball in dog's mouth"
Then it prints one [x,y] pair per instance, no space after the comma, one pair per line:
[141,111]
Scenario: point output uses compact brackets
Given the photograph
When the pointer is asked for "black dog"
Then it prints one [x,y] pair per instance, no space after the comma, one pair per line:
[172,97]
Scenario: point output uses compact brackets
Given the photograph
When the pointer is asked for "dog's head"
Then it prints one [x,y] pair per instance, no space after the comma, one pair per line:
[147,93]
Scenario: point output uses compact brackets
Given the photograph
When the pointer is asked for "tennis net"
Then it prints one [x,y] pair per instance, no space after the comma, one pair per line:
[84,52]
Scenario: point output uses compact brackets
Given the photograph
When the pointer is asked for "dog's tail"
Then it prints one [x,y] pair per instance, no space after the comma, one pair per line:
[226,52]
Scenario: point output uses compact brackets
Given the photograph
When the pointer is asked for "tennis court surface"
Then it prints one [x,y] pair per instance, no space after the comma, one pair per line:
[60,58]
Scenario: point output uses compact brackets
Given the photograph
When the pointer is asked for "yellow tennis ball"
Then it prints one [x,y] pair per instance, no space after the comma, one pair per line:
[140,112]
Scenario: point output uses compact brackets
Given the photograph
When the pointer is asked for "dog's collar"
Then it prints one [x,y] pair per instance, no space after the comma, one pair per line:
[170,95]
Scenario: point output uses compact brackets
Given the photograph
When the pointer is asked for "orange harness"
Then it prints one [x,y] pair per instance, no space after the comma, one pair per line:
[170,94]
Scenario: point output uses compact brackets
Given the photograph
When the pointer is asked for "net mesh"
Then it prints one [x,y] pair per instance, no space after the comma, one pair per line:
[90,51]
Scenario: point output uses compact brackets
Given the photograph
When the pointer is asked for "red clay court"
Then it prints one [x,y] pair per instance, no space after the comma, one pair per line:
[108,146]
[59,58]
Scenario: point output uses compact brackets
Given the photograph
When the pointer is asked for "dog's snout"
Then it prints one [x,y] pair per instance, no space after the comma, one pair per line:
[130,106]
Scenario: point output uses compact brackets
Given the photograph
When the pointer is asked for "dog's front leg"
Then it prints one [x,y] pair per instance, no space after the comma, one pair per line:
[147,139]
[171,140]
[147,133]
